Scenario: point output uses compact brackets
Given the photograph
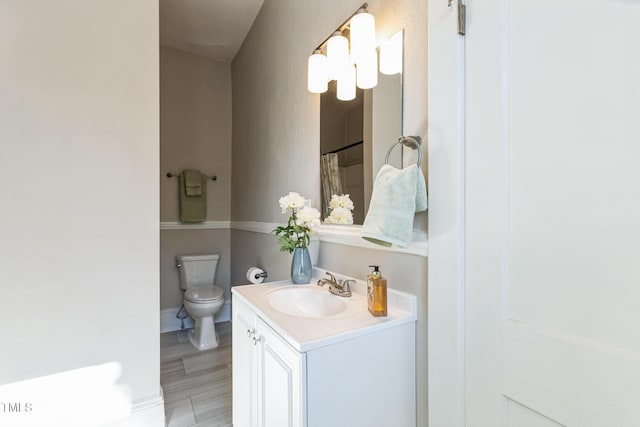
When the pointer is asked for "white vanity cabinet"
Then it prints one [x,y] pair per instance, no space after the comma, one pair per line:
[268,375]
[288,371]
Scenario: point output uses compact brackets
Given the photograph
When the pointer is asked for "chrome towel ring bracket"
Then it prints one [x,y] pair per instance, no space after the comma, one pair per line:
[414,142]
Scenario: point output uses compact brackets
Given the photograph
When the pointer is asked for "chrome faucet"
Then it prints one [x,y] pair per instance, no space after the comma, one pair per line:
[341,288]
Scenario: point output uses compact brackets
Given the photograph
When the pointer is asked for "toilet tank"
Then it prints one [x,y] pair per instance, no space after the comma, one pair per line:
[197,270]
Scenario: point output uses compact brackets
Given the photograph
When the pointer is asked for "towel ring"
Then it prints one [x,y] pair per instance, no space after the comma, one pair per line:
[414,142]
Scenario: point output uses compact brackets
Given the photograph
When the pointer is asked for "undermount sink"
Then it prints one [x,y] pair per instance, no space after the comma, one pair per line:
[306,302]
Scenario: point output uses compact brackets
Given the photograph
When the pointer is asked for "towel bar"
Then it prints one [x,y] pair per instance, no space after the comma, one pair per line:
[414,142]
[171,175]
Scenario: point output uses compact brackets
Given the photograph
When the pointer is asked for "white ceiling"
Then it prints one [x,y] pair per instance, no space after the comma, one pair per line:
[212,28]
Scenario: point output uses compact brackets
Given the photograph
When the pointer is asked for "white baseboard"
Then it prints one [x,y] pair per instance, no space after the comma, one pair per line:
[144,413]
[169,321]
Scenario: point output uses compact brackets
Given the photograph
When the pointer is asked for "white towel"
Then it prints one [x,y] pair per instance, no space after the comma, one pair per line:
[397,196]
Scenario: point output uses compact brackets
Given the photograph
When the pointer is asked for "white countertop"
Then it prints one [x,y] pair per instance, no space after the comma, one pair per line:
[307,333]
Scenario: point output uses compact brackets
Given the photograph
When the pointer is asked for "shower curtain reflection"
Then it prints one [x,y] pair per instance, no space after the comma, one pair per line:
[330,178]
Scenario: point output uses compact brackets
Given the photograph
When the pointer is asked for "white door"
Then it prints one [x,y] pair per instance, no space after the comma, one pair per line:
[552,213]
[244,367]
[281,381]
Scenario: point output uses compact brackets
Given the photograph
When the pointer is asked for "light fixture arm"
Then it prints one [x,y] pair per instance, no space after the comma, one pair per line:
[343,26]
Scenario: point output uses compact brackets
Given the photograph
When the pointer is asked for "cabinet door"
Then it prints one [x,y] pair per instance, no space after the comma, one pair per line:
[281,381]
[244,364]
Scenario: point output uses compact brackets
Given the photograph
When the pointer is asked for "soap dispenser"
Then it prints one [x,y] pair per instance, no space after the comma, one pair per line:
[376,293]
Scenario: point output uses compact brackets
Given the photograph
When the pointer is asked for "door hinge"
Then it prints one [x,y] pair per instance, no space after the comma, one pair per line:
[462,18]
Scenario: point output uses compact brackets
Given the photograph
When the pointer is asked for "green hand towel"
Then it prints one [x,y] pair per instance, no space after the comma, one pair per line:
[192,182]
[193,208]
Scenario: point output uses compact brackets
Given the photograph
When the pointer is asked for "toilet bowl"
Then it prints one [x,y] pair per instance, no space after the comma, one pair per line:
[202,299]
[202,303]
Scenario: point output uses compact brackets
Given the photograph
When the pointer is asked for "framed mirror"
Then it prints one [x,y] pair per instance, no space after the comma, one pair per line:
[355,136]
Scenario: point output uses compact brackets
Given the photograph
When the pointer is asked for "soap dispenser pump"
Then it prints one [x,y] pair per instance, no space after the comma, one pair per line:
[376,293]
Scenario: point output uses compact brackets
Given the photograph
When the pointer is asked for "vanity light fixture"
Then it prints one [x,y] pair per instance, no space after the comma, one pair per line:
[318,77]
[362,30]
[391,55]
[348,67]
[347,83]
[337,55]
[367,70]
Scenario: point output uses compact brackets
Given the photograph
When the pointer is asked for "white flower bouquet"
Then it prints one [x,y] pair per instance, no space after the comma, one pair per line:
[302,223]
[341,207]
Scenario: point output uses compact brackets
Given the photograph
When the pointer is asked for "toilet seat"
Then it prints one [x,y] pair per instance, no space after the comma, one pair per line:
[204,294]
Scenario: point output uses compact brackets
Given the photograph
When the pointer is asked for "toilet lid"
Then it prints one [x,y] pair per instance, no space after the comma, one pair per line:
[204,294]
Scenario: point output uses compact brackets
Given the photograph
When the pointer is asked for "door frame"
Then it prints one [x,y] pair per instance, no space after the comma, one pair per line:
[446,277]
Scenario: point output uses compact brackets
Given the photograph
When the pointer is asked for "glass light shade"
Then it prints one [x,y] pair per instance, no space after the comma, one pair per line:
[363,36]
[337,55]
[391,55]
[367,70]
[347,83]
[317,78]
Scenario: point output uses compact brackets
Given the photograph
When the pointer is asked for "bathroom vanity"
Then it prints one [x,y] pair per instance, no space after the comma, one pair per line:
[303,357]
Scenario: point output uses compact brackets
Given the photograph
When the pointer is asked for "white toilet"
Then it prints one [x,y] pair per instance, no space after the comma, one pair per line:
[202,298]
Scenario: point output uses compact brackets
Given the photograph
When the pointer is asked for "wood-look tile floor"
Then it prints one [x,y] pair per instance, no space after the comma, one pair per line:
[196,384]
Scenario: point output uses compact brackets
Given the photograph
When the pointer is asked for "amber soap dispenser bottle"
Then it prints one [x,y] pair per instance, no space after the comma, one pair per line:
[376,293]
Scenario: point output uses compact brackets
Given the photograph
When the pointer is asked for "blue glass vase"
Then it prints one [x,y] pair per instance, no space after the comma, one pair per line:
[301,266]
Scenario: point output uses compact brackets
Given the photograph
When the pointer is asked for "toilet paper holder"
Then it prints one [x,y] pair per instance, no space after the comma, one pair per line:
[262,275]
[255,275]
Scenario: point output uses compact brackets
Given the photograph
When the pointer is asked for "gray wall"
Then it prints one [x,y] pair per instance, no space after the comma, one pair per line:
[257,249]
[195,133]
[195,129]
[276,130]
[79,182]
